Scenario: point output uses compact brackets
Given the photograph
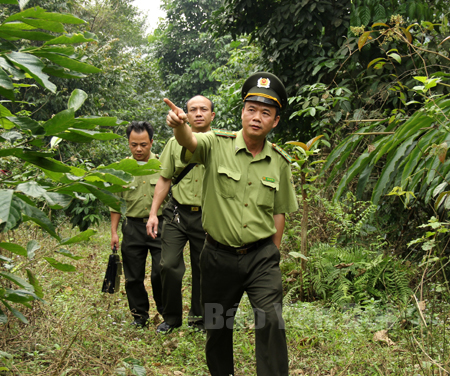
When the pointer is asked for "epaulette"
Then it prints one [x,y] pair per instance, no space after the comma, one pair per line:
[224,133]
[282,153]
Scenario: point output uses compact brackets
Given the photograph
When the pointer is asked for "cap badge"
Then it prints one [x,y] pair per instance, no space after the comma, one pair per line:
[264,82]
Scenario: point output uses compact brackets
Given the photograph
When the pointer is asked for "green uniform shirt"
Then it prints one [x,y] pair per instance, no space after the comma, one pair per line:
[241,192]
[139,198]
[189,190]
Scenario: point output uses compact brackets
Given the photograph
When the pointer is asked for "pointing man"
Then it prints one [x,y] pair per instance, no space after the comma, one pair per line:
[246,193]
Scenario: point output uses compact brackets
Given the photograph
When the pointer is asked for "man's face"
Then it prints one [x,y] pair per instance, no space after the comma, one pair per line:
[199,114]
[258,119]
[140,145]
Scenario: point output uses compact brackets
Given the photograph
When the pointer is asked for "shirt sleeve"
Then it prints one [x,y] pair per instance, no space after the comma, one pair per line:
[167,161]
[203,150]
[285,198]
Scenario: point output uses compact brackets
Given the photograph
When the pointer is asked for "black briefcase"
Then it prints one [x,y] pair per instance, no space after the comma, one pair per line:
[111,283]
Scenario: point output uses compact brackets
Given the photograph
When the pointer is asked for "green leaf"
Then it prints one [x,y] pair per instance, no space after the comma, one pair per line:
[68,62]
[45,25]
[5,81]
[32,247]
[60,266]
[25,123]
[13,34]
[4,122]
[3,318]
[67,253]
[62,72]
[80,135]
[19,281]
[77,99]
[134,168]
[380,13]
[396,57]
[30,213]
[16,313]
[55,200]
[33,66]
[9,210]
[19,296]
[60,122]
[37,159]
[103,121]
[111,176]
[40,13]
[72,39]
[364,15]
[14,248]
[35,283]
[9,2]
[85,235]
[358,166]
[390,167]
[108,199]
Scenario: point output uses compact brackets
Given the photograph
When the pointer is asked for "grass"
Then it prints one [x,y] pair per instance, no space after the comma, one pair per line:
[81,331]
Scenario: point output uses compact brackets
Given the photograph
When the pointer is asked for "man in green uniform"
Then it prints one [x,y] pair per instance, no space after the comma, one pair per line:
[136,243]
[182,221]
[246,193]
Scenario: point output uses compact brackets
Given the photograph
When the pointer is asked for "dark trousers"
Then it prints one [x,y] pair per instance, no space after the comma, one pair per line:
[135,246]
[175,235]
[225,277]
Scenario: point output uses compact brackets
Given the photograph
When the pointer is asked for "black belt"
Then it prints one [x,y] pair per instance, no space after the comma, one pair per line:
[140,220]
[188,207]
[237,250]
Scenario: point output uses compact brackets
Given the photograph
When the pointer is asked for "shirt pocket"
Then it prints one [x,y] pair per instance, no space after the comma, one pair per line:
[227,182]
[266,193]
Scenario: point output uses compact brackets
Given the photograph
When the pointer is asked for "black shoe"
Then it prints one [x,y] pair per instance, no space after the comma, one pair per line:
[165,328]
[139,323]
[197,326]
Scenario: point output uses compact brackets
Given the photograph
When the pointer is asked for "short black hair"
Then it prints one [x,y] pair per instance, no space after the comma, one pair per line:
[139,127]
[199,95]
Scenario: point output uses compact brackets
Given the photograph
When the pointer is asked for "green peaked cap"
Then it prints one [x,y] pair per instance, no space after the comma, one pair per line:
[266,88]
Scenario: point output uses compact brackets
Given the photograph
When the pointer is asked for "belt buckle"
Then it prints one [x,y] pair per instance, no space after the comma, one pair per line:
[194,208]
[242,251]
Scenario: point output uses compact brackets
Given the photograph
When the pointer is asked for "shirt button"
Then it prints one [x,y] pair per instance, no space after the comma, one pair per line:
[245,205]
[249,183]
[195,195]
[146,209]
[145,195]
[143,182]
[245,226]
[196,180]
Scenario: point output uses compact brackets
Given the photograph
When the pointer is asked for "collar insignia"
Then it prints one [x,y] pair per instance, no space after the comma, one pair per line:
[264,82]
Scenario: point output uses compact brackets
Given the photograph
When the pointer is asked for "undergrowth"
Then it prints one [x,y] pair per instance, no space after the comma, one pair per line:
[81,331]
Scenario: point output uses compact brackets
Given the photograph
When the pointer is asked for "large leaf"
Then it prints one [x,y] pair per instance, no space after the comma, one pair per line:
[16,313]
[9,33]
[19,296]
[25,123]
[60,122]
[60,266]
[19,281]
[5,81]
[103,121]
[37,159]
[354,170]
[68,62]
[77,99]
[134,168]
[85,235]
[39,13]
[69,254]
[30,213]
[58,71]
[11,69]
[14,248]
[35,283]
[108,199]
[55,200]
[9,210]
[4,122]
[32,247]
[391,167]
[72,39]
[33,66]
[82,134]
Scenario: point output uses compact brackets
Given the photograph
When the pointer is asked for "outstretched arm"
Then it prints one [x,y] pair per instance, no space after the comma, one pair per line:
[177,120]
[161,191]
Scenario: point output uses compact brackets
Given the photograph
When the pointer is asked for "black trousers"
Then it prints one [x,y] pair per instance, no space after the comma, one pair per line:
[175,235]
[225,277]
[135,247]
